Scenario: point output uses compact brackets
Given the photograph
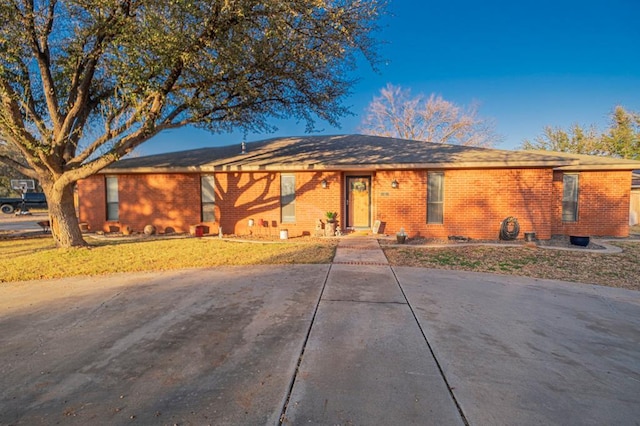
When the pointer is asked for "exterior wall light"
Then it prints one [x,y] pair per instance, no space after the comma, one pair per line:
[394,184]
[323,184]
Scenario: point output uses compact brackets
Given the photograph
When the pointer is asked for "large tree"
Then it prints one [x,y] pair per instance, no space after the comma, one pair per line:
[621,139]
[84,82]
[396,113]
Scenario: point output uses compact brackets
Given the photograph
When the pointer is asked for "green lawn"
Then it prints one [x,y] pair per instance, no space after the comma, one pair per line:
[29,259]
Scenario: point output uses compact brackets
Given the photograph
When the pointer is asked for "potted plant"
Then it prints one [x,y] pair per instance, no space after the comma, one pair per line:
[330,229]
[577,240]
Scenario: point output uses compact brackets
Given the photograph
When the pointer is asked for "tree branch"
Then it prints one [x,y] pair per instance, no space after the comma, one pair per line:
[29,104]
[25,170]
[40,49]
[84,78]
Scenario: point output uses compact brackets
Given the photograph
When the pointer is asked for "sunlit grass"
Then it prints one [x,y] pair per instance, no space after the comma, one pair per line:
[31,259]
[614,270]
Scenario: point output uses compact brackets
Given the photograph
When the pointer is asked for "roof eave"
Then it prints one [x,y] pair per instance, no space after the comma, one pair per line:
[340,167]
[594,167]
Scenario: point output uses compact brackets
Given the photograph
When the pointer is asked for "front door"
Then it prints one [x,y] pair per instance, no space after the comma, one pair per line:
[358,201]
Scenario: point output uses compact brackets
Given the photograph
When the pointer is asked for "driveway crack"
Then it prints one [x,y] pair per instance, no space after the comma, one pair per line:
[287,399]
[424,336]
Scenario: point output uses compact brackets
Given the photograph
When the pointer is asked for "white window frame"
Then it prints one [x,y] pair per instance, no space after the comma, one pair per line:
[112,198]
[287,198]
[435,198]
[207,198]
[570,196]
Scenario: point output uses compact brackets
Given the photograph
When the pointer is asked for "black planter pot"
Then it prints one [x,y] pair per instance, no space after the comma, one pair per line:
[579,241]
[401,239]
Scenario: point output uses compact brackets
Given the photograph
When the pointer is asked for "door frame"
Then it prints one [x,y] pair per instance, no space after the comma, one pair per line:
[347,184]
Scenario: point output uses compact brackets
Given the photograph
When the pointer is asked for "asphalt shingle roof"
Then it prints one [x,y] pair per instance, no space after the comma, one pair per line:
[353,152]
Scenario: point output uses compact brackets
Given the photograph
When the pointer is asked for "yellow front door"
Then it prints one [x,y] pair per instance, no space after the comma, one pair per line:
[359,201]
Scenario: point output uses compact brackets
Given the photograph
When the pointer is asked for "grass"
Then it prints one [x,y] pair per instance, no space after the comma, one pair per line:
[30,259]
[613,270]
[37,258]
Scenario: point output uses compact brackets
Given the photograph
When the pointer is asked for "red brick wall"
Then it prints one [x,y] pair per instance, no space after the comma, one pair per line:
[173,200]
[475,202]
[145,199]
[92,202]
[159,199]
[244,196]
[404,206]
[603,204]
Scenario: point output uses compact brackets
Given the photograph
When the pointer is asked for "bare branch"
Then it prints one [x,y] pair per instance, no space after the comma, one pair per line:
[29,103]
[40,48]
[396,113]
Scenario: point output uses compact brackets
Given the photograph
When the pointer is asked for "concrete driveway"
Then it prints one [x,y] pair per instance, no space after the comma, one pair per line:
[355,342]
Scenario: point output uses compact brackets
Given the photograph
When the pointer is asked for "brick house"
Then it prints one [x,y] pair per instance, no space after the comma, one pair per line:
[431,190]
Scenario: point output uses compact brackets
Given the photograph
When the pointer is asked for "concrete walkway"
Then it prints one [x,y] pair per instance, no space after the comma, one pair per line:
[351,343]
[367,361]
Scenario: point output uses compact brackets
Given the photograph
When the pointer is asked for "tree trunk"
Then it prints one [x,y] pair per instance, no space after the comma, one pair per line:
[62,214]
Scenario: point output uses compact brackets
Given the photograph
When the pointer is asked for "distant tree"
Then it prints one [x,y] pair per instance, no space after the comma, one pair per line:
[621,139]
[396,113]
[7,173]
[83,83]
[576,140]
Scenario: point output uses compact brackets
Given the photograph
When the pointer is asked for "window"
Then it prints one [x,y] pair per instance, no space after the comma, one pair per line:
[569,197]
[288,198]
[207,198]
[112,198]
[435,197]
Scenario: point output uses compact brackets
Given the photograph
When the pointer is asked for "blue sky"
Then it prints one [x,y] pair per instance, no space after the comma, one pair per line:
[528,65]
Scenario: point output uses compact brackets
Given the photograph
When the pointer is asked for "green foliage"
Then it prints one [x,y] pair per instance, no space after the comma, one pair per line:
[623,136]
[576,140]
[136,68]
[621,139]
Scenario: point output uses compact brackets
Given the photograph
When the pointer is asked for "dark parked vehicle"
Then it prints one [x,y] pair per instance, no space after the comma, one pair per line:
[27,201]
